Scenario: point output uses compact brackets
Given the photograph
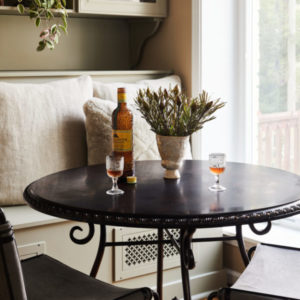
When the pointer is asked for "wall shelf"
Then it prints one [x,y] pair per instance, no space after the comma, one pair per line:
[108,8]
[124,8]
[104,34]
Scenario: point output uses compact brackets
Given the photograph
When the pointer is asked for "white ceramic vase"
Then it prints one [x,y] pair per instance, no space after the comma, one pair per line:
[171,150]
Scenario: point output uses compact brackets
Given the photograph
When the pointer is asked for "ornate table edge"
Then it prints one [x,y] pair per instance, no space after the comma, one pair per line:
[229,219]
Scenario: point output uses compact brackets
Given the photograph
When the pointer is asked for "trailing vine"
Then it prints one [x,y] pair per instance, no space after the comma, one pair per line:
[43,13]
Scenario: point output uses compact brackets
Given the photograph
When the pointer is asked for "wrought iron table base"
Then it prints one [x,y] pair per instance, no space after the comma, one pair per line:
[183,246]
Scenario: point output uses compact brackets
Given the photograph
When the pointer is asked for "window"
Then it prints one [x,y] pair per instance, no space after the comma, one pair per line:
[250,57]
[276,83]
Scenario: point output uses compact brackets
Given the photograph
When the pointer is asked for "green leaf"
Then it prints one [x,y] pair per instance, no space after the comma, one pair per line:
[20,8]
[44,33]
[41,46]
[37,22]
[20,1]
[62,12]
[38,3]
[49,14]
[54,29]
[64,3]
[50,44]
[33,13]
[64,19]
[63,28]
[56,39]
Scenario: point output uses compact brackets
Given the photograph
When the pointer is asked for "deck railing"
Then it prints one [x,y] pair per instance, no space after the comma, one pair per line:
[279,140]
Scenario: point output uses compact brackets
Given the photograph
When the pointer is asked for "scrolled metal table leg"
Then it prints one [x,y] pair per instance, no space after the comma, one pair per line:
[239,238]
[85,240]
[160,258]
[187,259]
[100,252]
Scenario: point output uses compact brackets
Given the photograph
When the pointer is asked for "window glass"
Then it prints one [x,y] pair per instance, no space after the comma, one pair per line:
[277,83]
[273,55]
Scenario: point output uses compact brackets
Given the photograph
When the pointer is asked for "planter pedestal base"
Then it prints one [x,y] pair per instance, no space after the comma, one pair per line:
[172,174]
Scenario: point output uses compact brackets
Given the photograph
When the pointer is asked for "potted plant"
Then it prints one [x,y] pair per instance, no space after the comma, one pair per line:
[43,11]
[174,117]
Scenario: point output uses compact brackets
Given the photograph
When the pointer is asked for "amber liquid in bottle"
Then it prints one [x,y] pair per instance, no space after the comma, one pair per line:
[122,134]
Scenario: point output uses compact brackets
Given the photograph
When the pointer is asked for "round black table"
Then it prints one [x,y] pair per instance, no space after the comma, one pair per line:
[254,194]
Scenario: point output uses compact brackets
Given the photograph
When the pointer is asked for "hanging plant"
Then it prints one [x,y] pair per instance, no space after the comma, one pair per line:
[42,12]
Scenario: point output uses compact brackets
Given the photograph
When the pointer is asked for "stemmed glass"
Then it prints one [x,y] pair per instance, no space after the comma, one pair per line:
[114,168]
[217,162]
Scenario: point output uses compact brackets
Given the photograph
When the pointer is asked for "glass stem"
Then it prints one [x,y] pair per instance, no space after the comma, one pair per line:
[115,185]
[217,179]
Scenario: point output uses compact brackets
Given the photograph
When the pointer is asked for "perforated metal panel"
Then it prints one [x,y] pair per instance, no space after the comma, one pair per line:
[131,261]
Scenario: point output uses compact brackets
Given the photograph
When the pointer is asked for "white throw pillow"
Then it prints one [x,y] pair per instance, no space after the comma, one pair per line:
[42,131]
[99,132]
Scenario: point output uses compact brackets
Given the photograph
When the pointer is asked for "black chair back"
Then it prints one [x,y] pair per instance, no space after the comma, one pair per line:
[12,285]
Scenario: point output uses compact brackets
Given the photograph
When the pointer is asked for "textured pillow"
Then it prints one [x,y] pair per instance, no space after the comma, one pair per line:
[109,90]
[41,131]
[165,82]
[99,133]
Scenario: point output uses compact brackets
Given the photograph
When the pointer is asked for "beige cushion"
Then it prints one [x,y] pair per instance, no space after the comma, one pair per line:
[99,133]
[42,131]
[166,82]
[109,90]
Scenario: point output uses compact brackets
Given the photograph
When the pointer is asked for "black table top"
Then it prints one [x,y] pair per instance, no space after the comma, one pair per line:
[254,194]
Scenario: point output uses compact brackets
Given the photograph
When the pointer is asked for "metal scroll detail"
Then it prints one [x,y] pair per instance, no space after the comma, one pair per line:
[263,231]
[84,240]
[100,252]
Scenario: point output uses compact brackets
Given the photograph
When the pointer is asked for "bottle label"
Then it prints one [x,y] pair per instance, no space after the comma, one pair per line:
[122,140]
[121,97]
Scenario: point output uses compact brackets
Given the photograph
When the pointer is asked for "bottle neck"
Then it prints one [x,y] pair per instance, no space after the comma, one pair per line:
[122,103]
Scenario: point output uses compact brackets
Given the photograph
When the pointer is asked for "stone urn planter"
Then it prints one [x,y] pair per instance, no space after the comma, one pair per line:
[171,150]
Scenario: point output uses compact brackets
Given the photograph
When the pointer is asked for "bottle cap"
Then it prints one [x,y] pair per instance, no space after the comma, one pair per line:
[131,179]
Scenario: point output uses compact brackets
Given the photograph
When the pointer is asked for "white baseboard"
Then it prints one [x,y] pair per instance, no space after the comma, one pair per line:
[201,285]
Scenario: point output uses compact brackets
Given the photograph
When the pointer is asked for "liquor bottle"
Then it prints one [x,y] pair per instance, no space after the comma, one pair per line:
[122,135]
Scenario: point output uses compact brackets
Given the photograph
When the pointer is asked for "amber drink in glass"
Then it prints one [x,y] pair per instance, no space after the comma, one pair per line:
[114,169]
[217,162]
